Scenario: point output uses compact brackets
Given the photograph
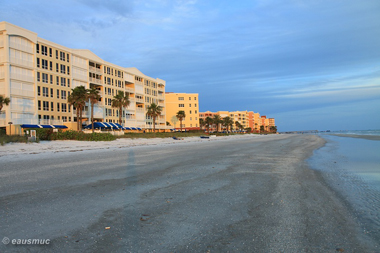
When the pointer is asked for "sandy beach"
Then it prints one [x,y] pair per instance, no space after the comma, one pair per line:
[252,193]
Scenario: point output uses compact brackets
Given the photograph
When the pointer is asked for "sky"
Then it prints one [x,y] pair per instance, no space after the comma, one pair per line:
[310,64]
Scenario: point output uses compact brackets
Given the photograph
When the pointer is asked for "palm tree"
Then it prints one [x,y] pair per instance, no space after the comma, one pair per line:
[217,120]
[120,101]
[93,96]
[77,99]
[208,122]
[202,123]
[154,111]
[238,125]
[4,101]
[256,127]
[261,129]
[273,129]
[227,121]
[180,116]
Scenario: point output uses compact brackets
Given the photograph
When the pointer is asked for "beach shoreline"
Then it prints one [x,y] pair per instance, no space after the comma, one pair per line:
[247,194]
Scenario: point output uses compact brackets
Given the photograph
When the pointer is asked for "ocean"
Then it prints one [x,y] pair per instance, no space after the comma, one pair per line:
[351,167]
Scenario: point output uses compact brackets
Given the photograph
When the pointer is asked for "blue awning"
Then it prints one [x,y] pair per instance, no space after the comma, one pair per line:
[106,125]
[43,126]
[138,128]
[133,128]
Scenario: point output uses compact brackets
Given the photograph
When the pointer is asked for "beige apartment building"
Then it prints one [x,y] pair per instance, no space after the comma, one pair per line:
[187,102]
[38,76]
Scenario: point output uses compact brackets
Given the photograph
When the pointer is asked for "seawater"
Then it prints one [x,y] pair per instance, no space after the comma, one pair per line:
[351,167]
[375,132]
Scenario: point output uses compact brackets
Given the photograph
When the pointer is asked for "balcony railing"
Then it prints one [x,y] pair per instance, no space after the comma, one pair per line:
[140,100]
[95,70]
[23,108]
[50,122]
[22,62]
[94,80]
[25,93]
[24,48]
[22,77]
[131,90]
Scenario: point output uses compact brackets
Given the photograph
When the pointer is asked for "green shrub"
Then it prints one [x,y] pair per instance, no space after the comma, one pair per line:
[80,136]
[13,138]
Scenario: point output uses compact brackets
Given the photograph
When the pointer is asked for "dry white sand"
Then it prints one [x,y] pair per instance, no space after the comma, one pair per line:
[71,146]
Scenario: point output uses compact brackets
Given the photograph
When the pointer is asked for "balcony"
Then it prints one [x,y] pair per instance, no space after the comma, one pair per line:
[22,77]
[130,90]
[161,88]
[23,107]
[95,70]
[50,122]
[139,100]
[128,78]
[98,112]
[24,48]
[96,81]
[22,62]
[25,93]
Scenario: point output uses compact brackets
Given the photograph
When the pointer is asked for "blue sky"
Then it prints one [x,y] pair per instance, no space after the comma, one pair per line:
[311,64]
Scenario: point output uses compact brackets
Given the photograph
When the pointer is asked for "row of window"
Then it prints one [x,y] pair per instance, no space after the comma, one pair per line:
[45,64]
[49,51]
[45,92]
[46,117]
[190,110]
[110,71]
[49,106]
[110,81]
[59,80]
[149,83]
[182,98]
[183,105]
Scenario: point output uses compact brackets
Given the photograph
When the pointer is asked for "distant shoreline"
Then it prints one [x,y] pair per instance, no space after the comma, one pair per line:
[367,137]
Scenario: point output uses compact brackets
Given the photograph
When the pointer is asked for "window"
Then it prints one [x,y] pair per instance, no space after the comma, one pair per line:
[190,112]
[196,111]
[52,106]
[63,96]
[56,54]
[44,64]
[68,69]
[45,91]
[68,82]
[62,56]
[181,105]
[51,66]
[45,78]
[38,48]
[44,50]
[57,67]
[63,108]
[68,59]
[180,98]
[51,93]
[63,69]
[50,52]
[195,105]
[38,76]
[38,90]
[58,108]
[189,98]
[51,79]
[64,118]
[46,105]
[195,98]
[63,81]
[57,80]
[38,62]
[39,104]
[189,105]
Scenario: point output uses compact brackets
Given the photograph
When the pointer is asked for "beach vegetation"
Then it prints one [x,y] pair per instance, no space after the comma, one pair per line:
[78,99]
[180,116]
[208,122]
[93,96]
[154,111]
[120,101]
[217,120]
[4,101]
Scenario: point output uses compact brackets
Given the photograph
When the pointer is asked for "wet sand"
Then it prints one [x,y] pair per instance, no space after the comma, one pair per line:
[251,194]
[367,137]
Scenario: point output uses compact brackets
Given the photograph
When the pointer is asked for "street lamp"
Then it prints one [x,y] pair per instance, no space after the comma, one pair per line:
[10,127]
